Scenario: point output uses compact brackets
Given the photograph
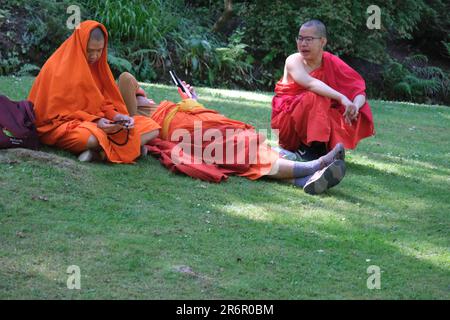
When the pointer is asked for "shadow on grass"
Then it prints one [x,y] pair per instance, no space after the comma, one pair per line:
[368,188]
[275,242]
[232,257]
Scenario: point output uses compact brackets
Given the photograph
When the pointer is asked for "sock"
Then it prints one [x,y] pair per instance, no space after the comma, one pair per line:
[300,182]
[302,169]
[338,152]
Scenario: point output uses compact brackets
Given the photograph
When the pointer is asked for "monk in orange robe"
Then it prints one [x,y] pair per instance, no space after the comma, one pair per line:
[211,134]
[320,101]
[79,107]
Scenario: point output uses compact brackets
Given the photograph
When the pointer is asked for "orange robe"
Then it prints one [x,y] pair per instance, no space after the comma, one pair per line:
[69,94]
[185,115]
[302,116]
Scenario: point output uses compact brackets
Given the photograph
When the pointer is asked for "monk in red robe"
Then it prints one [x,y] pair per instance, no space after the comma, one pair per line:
[212,134]
[79,106]
[320,101]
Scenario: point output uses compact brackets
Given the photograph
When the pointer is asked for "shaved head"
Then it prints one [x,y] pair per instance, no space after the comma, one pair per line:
[311,41]
[95,45]
[97,35]
[318,25]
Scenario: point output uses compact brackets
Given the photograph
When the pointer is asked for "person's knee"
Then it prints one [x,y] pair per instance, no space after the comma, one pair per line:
[147,137]
[127,78]
[92,143]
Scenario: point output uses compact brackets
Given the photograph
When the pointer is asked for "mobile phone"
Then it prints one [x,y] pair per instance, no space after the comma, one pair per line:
[177,81]
[119,122]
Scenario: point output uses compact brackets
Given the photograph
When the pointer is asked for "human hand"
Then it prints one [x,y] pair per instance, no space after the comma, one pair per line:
[191,90]
[127,122]
[107,126]
[351,110]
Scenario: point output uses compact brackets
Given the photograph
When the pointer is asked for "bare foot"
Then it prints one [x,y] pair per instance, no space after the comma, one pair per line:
[144,151]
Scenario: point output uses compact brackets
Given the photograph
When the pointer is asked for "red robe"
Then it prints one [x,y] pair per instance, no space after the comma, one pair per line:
[302,116]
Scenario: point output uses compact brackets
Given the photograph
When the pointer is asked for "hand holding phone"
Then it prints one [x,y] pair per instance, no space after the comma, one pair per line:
[107,125]
[177,81]
[123,120]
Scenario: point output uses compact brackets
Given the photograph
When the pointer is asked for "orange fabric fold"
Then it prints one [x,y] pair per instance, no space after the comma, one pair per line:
[210,118]
[186,118]
[69,94]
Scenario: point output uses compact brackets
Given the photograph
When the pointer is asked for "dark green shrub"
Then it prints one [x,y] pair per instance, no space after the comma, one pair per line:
[414,80]
[147,37]
[32,31]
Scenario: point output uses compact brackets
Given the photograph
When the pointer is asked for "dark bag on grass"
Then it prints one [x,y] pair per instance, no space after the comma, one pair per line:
[17,127]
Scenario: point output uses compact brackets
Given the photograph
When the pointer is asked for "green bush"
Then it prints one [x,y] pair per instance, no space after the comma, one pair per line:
[414,80]
[234,62]
[152,36]
[31,30]
[143,22]
[148,37]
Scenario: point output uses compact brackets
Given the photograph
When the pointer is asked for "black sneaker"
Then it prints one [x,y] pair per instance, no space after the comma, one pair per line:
[305,153]
[313,152]
[320,148]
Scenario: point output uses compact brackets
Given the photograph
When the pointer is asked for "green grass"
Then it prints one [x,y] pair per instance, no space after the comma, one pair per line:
[128,227]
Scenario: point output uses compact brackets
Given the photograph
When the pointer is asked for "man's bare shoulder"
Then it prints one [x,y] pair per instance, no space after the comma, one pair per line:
[293,64]
[294,59]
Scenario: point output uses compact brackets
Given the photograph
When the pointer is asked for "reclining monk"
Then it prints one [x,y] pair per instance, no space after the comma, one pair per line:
[80,108]
[320,101]
[226,146]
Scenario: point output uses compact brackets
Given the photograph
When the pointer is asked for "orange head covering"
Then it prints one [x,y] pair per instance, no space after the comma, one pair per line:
[68,88]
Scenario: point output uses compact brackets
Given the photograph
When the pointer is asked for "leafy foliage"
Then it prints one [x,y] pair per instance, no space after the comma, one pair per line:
[148,37]
[119,63]
[416,81]
[29,32]
[28,70]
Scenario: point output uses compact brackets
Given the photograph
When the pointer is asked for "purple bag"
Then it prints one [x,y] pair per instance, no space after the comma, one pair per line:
[17,127]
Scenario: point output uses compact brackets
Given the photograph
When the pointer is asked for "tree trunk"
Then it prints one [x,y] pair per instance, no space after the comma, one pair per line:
[225,17]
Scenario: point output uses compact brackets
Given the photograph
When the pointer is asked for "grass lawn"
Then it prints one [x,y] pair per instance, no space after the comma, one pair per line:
[139,231]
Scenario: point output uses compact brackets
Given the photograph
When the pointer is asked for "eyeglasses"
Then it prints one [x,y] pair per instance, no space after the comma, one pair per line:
[308,40]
